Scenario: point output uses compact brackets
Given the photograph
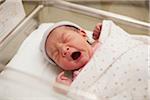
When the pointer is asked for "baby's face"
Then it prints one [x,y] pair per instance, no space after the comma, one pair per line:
[68,48]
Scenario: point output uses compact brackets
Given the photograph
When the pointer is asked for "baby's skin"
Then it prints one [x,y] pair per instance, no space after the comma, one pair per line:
[69,49]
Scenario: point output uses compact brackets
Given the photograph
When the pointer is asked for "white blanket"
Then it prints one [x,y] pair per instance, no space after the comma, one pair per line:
[28,76]
[118,69]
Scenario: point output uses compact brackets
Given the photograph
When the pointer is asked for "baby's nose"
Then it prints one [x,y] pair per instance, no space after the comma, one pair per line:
[66,51]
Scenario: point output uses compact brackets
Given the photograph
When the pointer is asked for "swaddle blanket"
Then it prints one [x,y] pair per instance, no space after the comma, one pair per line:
[118,68]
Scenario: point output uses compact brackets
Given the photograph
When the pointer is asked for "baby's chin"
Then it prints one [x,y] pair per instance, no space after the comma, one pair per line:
[83,61]
[76,65]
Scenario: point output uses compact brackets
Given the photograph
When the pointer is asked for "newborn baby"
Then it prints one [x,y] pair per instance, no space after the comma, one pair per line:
[113,67]
[66,45]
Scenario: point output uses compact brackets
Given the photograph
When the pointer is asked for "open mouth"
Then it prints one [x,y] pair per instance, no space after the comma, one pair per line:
[75,55]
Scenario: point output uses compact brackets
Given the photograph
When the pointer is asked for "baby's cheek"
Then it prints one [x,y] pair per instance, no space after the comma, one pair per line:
[67,65]
[84,59]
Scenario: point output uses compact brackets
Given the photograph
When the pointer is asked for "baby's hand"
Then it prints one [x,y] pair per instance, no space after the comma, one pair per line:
[61,78]
[62,84]
[96,31]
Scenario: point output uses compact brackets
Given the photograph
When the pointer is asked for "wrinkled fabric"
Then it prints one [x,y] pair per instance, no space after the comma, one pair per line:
[118,68]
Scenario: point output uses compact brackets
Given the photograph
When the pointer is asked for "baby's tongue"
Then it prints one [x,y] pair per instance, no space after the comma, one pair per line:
[75,55]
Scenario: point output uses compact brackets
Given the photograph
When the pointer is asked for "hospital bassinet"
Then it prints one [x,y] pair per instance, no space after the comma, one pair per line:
[34,78]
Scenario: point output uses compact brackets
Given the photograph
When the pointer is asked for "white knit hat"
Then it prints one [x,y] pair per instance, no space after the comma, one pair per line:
[48,31]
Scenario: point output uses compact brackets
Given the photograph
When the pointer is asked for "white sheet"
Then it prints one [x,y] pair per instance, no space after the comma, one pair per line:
[28,74]
[29,58]
[112,70]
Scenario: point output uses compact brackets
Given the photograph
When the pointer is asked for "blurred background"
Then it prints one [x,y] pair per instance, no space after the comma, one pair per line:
[138,9]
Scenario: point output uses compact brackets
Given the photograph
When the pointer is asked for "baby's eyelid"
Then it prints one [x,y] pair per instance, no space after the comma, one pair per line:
[65,39]
[55,54]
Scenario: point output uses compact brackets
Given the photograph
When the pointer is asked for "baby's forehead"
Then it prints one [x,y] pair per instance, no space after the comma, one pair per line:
[63,28]
[59,28]
[66,27]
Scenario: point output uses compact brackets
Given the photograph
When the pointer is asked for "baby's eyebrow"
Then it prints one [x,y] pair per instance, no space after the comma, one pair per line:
[63,36]
[53,54]
[53,51]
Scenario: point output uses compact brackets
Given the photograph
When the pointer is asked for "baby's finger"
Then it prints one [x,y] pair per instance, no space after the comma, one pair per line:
[67,82]
[64,78]
[98,25]
[95,35]
[96,31]
[60,75]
